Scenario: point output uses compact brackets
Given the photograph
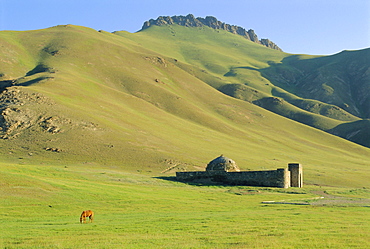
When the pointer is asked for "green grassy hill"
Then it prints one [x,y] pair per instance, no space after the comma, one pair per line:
[320,91]
[101,121]
[82,96]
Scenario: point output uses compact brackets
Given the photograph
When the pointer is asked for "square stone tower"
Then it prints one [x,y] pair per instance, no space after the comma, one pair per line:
[296,176]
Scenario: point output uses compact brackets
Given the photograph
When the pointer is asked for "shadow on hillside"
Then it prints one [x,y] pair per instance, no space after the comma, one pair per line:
[199,182]
[6,83]
[167,178]
[357,131]
[34,81]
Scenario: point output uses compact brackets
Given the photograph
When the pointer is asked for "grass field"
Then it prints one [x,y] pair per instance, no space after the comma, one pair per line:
[94,118]
[40,208]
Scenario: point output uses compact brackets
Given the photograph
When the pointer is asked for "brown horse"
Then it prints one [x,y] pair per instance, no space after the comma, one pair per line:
[87,213]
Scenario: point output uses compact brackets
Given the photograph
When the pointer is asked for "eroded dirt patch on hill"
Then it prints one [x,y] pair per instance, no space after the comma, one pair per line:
[21,110]
[16,113]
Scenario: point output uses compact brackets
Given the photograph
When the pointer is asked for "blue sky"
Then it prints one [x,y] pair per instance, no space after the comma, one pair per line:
[297,26]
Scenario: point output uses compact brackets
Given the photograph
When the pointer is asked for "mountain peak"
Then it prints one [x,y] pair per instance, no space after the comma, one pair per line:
[212,22]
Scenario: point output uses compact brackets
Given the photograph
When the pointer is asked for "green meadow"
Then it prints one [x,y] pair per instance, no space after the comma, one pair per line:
[40,208]
[102,121]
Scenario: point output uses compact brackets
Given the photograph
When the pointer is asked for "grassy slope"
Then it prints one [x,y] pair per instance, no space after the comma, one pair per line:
[123,127]
[245,70]
[150,121]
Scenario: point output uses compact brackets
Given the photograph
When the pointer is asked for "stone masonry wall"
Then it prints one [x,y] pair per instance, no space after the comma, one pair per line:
[269,178]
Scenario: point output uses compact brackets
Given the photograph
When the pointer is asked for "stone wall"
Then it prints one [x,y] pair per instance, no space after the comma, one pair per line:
[268,178]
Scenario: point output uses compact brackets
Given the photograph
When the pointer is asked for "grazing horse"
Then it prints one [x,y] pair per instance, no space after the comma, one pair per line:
[87,213]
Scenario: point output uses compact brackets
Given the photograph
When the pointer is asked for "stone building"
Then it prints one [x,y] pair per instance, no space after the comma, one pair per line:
[225,171]
[222,163]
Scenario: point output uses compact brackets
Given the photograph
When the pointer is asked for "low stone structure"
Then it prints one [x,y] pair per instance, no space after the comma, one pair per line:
[224,170]
[222,163]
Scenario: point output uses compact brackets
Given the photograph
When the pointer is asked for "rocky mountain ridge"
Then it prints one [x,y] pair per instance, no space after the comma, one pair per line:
[212,22]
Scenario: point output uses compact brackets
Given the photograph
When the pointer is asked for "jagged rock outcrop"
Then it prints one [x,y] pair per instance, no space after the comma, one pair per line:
[212,22]
[269,44]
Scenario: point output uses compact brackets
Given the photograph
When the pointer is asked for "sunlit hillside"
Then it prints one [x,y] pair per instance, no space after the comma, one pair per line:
[324,92]
[155,102]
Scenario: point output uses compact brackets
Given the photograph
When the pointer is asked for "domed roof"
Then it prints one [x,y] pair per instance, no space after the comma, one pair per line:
[222,163]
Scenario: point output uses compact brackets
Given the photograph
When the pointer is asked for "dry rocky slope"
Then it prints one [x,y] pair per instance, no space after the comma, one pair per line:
[212,22]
